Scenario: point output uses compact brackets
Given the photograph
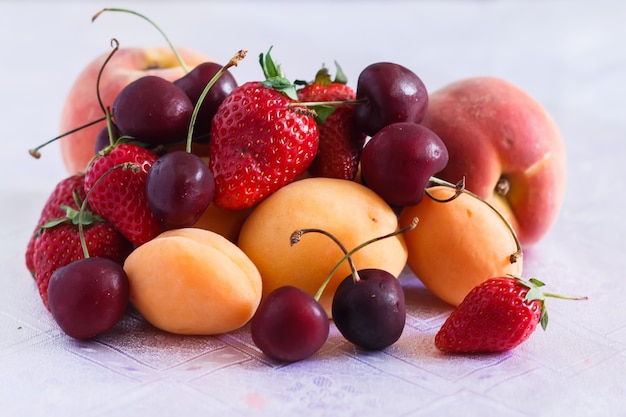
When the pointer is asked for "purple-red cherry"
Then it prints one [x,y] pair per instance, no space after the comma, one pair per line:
[370,312]
[152,110]
[391,93]
[88,297]
[193,84]
[399,161]
[179,188]
[289,325]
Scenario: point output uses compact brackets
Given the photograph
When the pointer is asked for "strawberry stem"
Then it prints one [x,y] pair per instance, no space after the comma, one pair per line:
[234,61]
[459,189]
[113,9]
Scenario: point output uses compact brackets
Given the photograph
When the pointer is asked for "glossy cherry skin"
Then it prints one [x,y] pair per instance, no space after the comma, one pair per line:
[88,297]
[289,325]
[193,84]
[152,110]
[371,312]
[399,161]
[179,188]
[392,94]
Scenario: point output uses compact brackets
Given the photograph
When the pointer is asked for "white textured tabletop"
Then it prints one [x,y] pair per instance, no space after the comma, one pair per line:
[568,55]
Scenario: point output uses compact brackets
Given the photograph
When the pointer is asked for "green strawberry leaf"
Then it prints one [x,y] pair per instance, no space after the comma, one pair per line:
[274,77]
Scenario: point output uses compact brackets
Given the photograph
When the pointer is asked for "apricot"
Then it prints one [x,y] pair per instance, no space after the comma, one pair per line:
[225,222]
[193,281]
[458,244]
[350,211]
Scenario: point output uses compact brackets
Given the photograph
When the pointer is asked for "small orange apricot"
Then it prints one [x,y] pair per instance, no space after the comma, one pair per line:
[223,221]
[193,281]
[457,244]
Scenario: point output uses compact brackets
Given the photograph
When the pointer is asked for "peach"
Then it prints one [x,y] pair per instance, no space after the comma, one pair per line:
[346,209]
[507,147]
[81,105]
[193,281]
[458,244]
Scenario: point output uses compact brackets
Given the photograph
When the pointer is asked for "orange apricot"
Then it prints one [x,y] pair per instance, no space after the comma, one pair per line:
[350,211]
[458,244]
[193,281]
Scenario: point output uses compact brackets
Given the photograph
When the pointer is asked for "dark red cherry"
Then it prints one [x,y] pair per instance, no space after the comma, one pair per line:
[179,188]
[152,110]
[194,82]
[399,161]
[371,312]
[392,94]
[88,297]
[289,325]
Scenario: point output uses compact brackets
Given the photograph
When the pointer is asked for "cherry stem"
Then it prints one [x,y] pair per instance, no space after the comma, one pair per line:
[459,189]
[234,61]
[34,152]
[116,46]
[297,235]
[331,103]
[124,166]
[349,254]
[114,9]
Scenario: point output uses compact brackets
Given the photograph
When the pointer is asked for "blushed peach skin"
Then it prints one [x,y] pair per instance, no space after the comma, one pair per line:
[192,281]
[81,104]
[492,130]
[458,244]
[348,210]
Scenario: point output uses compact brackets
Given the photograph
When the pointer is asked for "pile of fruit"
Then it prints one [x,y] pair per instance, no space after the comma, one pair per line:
[208,204]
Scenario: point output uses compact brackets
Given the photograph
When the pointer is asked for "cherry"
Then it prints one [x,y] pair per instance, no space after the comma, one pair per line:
[179,188]
[180,185]
[399,160]
[193,84]
[390,93]
[370,312]
[289,325]
[368,306]
[88,297]
[152,110]
[103,139]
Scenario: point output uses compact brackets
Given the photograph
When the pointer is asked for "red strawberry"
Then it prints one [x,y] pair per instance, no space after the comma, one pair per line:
[340,142]
[495,316]
[59,245]
[259,142]
[62,195]
[120,197]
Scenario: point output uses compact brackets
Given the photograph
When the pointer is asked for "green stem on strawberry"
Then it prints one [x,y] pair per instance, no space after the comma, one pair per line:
[124,166]
[459,189]
[174,50]
[295,238]
[234,61]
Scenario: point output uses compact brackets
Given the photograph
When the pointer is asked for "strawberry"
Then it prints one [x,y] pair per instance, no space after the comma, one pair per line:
[65,193]
[259,140]
[59,244]
[495,316]
[120,197]
[340,142]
